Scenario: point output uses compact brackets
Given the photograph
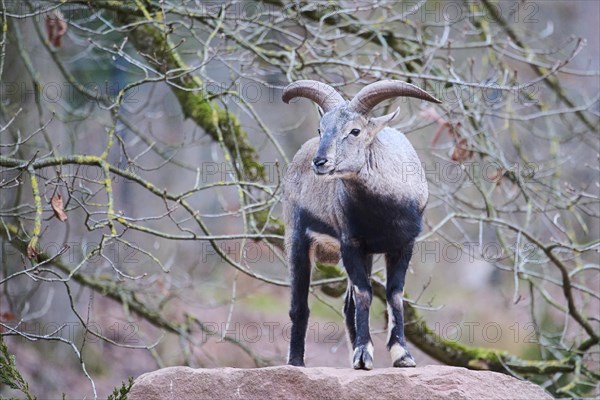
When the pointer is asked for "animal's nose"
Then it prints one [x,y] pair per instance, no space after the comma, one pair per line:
[319,161]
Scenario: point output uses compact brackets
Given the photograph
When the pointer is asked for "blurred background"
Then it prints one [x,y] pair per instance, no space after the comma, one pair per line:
[143,148]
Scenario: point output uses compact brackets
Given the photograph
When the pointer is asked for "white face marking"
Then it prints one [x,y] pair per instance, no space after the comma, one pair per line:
[397,352]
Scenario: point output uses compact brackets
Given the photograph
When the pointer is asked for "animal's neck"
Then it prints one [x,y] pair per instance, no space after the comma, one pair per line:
[375,172]
[371,176]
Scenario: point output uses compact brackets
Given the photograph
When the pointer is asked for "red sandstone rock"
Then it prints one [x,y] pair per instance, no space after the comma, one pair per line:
[286,382]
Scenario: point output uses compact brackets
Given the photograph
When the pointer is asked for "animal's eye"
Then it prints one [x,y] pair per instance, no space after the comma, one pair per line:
[355,132]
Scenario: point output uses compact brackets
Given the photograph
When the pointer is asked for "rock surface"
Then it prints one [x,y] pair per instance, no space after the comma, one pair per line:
[286,382]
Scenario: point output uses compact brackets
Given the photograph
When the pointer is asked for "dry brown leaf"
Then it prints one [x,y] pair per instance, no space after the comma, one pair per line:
[7,316]
[452,129]
[56,27]
[438,133]
[57,207]
[32,251]
[462,151]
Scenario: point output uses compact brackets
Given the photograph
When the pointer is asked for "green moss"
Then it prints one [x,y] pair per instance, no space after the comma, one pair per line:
[37,224]
[216,122]
[88,160]
[10,375]
[274,226]
[111,135]
[328,271]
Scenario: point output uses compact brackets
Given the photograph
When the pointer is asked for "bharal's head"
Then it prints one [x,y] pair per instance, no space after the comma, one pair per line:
[346,129]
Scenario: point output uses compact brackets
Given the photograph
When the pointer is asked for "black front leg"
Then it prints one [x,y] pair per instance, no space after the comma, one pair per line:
[396,266]
[350,309]
[300,267]
[358,269]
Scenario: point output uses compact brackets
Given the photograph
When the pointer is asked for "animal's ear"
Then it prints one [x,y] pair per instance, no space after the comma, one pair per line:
[378,123]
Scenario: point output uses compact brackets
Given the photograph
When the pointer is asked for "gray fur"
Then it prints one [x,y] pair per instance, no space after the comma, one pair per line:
[356,159]
[389,166]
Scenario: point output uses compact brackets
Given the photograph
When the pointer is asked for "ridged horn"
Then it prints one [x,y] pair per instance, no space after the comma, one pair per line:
[319,92]
[371,95]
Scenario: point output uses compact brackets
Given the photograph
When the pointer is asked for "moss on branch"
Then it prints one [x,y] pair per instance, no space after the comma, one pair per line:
[460,355]
[150,38]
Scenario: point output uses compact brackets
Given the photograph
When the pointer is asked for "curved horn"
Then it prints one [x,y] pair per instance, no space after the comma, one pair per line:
[369,96]
[321,93]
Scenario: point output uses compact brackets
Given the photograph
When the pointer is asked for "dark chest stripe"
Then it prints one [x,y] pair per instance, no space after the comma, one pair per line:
[382,224]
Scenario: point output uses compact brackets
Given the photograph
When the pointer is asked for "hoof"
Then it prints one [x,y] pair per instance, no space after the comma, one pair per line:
[405,362]
[363,357]
[401,358]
